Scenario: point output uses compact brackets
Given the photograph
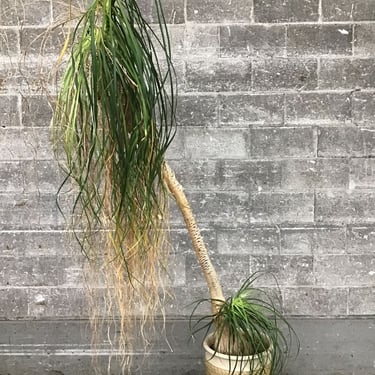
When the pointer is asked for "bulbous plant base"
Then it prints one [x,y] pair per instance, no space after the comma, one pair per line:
[222,364]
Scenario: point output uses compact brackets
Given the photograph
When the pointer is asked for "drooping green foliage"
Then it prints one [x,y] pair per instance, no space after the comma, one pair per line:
[250,323]
[115,120]
[112,125]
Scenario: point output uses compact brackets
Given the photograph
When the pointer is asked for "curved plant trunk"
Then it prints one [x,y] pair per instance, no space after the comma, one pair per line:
[221,340]
[214,287]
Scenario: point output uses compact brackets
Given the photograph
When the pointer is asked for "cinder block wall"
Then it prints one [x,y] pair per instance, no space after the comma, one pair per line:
[275,146]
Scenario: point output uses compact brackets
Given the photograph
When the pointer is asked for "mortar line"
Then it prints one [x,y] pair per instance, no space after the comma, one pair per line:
[19,107]
[252,19]
[285,114]
[18,90]
[285,55]
[318,68]
[281,92]
[51,15]
[320,12]
[185,12]
[231,23]
[50,58]
[353,39]
[270,24]
[347,300]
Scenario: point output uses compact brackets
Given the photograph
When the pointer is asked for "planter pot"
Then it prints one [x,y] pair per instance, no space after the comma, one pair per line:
[222,364]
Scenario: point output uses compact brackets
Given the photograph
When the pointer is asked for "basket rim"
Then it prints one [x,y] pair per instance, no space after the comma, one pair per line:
[230,357]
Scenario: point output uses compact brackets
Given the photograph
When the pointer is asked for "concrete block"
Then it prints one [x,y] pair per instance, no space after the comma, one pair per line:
[346,142]
[264,176]
[9,76]
[173,11]
[61,302]
[316,301]
[252,40]
[205,11]
[9,44]
[176,150]
[18,210]
[345,270]
[42,41]
[297,241]
[44,176]
[36,111]
[330,240]
[251,109]
[30,76]
[176,41]
[318,108]
[35,271]
[30,211]
[27,78]
[363,108]
[270,143]
[248,241]
[319,40]
[218,75]
[61,10]
[217,144]
[18,177]
[347,10]
[202,40]
[197,110]
[18,12]
[13,303]
[9,116]
[313,240]
[28,244]
[232,270]
[346,73]
[362,173]
[285,74]
[211,175]
[364,44]
[25,144]
[11,177]
[224,209]
[24,78]
[184,299]
[13,147]
[278,208]
[291,270]
[361,239]
[345,207]
[198,175]
[308,174]
[229,175]
[179,67]
[361,301]
[286,10]
[176,275]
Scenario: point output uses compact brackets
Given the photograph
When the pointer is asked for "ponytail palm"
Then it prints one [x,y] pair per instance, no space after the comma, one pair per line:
[114,121]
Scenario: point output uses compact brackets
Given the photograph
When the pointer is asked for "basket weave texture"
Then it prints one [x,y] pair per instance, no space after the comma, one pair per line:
[213,370]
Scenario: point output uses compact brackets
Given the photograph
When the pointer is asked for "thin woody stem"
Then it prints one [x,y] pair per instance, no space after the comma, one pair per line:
[214,287]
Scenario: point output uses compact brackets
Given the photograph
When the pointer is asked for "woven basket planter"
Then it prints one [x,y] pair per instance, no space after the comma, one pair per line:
[222,364]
